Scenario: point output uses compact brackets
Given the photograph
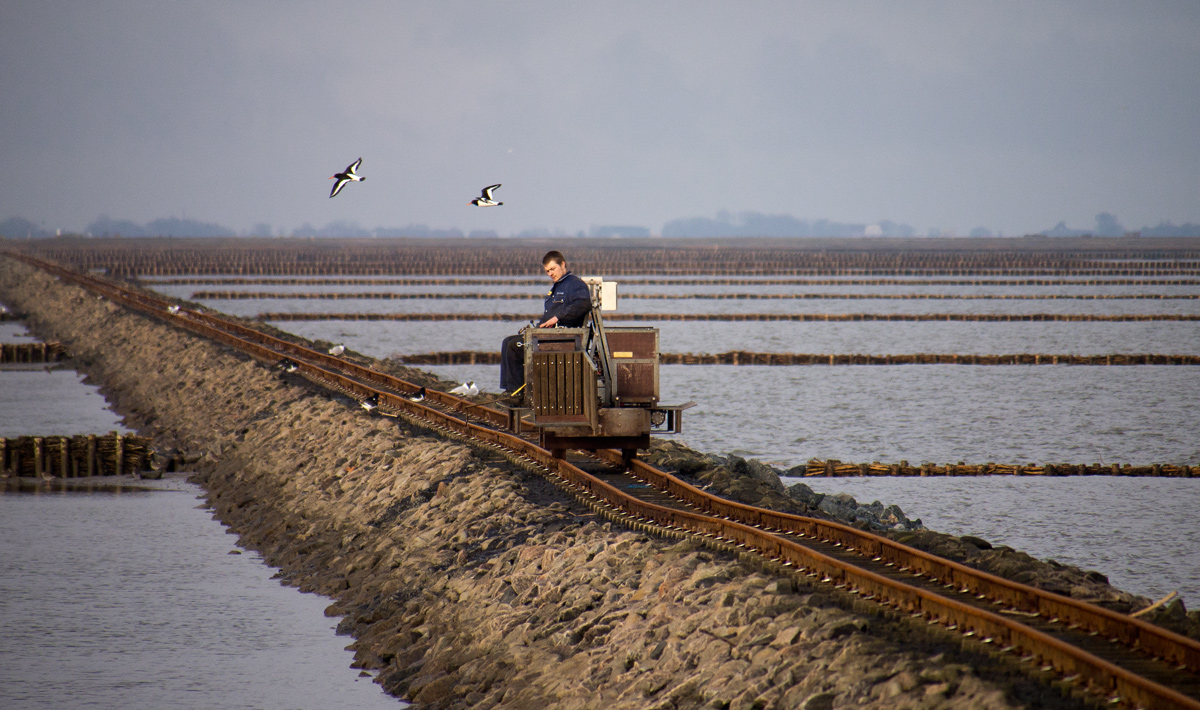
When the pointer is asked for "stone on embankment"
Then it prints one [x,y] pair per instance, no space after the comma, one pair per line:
[755,483]
[468,582]
[1008,563]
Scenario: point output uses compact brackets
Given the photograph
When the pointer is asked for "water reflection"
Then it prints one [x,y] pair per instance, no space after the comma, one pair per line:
[137,601]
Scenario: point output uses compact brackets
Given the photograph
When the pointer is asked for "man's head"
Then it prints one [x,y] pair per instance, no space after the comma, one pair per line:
[555,265]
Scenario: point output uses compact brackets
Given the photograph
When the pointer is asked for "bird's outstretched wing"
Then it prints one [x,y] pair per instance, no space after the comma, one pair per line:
[487,191]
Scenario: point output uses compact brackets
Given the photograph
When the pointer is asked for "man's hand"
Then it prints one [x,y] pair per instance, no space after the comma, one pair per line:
[550,323]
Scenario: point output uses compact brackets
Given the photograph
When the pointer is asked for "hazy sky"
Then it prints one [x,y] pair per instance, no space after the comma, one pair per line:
[943,115]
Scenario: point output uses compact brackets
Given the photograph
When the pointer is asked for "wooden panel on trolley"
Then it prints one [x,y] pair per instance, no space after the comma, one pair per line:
[635,355]
[563,389]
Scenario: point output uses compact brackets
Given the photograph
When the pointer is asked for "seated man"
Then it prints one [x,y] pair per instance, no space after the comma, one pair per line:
[567,306]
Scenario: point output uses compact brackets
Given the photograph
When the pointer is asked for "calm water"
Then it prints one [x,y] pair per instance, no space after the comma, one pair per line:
[39,402]
[13,332]
[133,600]
[925,413]
[385,338]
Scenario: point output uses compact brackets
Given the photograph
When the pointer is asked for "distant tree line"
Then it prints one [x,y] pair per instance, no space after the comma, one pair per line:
[1107,225]
[725,224]
[105,226]
[755,224]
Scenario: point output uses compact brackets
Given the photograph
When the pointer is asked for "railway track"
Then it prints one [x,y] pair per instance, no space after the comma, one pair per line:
[1126,661]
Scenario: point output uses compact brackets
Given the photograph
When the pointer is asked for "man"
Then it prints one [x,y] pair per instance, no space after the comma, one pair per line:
[567,306]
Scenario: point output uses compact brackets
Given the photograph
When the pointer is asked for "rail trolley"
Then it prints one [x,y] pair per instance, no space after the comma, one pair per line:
[594,387]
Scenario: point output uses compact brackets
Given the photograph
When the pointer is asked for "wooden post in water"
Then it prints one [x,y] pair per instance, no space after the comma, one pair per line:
[91,455]
[118,454]
[62,457]
[37,456]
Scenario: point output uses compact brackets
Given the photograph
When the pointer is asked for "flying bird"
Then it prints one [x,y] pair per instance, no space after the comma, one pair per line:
[485,198]
[467,388]
[348,175]
[337,350]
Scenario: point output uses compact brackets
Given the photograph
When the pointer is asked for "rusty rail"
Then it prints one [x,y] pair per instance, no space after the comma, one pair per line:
[746,526]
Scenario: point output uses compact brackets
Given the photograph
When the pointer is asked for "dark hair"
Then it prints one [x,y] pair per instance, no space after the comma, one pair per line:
[555,256]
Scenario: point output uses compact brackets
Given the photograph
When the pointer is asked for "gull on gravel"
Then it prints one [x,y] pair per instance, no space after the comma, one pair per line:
[467,388]
[337,350]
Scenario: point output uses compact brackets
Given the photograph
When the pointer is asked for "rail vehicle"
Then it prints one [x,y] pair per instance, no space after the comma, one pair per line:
[594,387]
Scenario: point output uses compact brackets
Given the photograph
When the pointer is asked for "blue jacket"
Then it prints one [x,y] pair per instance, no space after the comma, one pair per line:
[570,300]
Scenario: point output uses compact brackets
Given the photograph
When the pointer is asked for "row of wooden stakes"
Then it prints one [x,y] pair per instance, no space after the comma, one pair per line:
[834,468]
[657,281]
[126,269]
[753,358]
[384,254]
[397,296]
[74,456]
[742,357]
[31,352]
[759,317]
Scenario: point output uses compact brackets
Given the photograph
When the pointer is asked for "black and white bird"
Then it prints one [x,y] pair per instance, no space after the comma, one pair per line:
[288,365]
[467,388]
[371,403]
[337,350]
[485,198]
[419,396]
[348,175]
